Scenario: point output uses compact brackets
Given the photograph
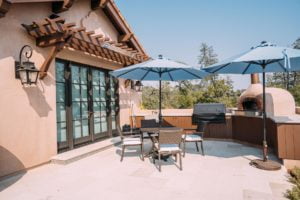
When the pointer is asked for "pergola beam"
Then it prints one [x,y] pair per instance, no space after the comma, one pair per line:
[54,50]
[95,4]
[61,6]
[4,7]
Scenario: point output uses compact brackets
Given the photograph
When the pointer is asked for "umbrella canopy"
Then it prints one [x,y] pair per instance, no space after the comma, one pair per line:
[275,59]
[264,58]
[159,69]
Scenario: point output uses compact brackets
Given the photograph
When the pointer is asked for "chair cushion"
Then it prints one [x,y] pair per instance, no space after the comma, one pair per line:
[154,134]
[167,147]
[192,138]
[132,141]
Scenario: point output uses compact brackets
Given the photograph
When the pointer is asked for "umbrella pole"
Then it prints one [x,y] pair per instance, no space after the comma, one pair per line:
[265,163]
[265,145]
[159,115]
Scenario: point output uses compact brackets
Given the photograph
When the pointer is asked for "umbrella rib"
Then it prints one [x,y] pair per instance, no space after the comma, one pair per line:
[171,70]
[282,66]
[127,72]
[220,68]
[145,75]
[170,76]
[192,73]
[273,61]
[246,68]
[144,69]
[254,62]
[155,71]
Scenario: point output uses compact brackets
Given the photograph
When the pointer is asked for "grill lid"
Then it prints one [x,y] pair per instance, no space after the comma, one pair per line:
[209,112]
[209,108]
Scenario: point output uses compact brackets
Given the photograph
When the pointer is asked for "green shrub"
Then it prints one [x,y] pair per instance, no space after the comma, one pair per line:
[294,193]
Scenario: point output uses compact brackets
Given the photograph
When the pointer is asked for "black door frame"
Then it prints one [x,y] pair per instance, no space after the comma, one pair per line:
[71,142]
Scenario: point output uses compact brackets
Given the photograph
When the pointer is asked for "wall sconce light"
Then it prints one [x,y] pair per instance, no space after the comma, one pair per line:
[26,70]
[138,86]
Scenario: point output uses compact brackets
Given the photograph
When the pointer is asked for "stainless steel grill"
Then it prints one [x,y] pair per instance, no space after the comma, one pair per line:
[208,113]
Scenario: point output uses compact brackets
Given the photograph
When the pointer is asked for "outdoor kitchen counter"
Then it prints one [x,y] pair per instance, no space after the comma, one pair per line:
[172,114]
[283,132]
[292,119]
[184,120]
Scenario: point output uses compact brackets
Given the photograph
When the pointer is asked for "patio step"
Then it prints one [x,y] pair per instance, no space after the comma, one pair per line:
[85,151]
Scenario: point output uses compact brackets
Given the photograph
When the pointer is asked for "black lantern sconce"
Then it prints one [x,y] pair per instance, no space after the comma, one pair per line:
[26,70]
[138,86]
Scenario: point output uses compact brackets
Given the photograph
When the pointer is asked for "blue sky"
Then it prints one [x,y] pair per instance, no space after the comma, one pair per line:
[176,28]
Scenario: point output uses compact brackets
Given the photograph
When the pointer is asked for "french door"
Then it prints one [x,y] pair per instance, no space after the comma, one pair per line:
[86,104]
[99,102]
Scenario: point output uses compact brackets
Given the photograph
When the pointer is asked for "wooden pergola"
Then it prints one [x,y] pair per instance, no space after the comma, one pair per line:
[54,32]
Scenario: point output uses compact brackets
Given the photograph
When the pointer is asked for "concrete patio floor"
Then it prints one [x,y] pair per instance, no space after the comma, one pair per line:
[223,173]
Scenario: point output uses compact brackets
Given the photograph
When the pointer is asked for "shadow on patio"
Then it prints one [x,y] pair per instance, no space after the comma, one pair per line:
[15,163]
[212,148]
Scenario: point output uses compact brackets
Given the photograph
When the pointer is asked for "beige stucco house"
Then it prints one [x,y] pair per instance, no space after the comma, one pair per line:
[74,102]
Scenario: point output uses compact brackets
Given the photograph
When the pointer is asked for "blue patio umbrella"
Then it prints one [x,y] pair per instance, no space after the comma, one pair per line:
[160,69]
[263,58]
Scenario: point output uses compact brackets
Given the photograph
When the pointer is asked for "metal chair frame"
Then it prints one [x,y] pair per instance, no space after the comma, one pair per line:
[200,132]
[125,136]
[169,137]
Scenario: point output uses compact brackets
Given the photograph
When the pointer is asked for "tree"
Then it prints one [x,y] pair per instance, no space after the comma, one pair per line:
[149,98]
[168,97]
[215,88]
[185,94]
[296,44]
[207,55]
[220,92]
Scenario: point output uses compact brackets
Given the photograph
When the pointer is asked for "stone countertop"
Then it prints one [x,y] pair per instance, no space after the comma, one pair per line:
[172,115]
[292,119]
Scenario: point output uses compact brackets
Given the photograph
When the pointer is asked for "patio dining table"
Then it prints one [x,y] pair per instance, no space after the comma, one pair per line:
[157,129]
[153,133]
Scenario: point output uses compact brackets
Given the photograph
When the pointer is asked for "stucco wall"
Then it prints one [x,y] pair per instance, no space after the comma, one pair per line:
[130,102]
[28,114]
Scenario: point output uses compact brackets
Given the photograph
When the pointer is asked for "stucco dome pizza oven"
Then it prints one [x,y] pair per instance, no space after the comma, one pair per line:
[279,102]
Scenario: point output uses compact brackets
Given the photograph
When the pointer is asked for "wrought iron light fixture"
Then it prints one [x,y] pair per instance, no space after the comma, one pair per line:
[26,70]
[138,86]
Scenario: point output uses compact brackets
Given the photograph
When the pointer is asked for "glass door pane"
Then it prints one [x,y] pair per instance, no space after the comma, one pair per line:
[99,103]
[80,109]
[61,121]
[114,102]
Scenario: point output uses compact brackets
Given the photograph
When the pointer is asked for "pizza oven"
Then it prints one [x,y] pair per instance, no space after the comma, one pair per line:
[279,102]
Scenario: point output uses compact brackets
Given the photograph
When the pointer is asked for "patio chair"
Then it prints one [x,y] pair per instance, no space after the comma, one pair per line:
[130,140]
[169,144]
[148,123]
[196,137]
